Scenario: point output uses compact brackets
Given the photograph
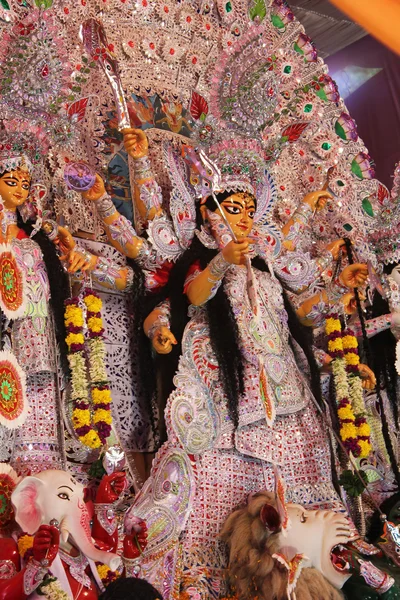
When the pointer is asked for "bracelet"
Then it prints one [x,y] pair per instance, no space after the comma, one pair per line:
[302,213]
[33,576]
[84,253]
[161,321]
[335,290]
[142,168]
[106,516]
[218,266]
[50,228]
[324,260]
[132,566]
[105,206]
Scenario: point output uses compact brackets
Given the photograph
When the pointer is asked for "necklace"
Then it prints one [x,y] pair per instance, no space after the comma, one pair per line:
[9,217]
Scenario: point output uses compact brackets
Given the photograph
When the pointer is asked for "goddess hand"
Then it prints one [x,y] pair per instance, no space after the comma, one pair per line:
[64,240]
[335,248]
[136,143]
[354,276]
[349,303]
[163,340]
[367,376]
[45,544]
[317,200]
[235,252]
[111,487]
[96,191]
[79,260]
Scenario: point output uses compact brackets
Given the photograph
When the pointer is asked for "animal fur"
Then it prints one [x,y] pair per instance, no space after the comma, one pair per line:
[252,570]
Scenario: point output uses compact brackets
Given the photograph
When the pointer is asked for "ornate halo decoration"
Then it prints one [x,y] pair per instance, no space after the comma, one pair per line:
[8,481]
[13,399]
[12,287]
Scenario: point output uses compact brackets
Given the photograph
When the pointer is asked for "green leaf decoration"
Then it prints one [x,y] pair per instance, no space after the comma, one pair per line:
[321,94]
[258,9]
[4,5]
[277,22]
[96,469]
[298,49]
[340,131]
[351,483]
[44,3]
[367,206]
[356,169]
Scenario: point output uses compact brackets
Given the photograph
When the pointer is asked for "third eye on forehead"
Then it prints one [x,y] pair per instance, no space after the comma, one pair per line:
[242,202]
[12,177]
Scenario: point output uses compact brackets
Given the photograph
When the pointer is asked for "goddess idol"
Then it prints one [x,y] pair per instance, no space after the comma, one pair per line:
[37,442]
[242,406]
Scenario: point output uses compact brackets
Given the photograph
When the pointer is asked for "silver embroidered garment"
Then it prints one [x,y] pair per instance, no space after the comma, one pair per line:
[32,336]
[206,469]
[38,444]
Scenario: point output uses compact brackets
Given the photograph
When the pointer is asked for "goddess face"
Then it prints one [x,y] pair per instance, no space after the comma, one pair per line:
[14,188]
[316,533]
[396,274]
[239,209]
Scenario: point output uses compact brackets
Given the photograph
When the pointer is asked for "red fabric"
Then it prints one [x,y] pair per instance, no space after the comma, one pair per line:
[21,235]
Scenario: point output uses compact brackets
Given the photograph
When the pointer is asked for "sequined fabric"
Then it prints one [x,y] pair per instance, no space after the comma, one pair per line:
[32,337]
[38,444]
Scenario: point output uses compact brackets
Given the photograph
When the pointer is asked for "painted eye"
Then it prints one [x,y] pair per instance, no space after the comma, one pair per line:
[252,213]
[232,210]
[11,183]
[63,496]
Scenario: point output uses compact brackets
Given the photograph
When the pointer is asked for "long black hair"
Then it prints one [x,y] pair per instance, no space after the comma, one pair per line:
[224,333]
[58,282]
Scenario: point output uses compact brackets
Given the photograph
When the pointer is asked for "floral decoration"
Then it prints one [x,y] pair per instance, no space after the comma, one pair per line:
[25,546]
[106,575]
[14,405]
[12,286]
[91,414]
[354,430]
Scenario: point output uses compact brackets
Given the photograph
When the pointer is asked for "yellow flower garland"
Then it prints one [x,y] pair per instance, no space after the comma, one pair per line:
[91,423]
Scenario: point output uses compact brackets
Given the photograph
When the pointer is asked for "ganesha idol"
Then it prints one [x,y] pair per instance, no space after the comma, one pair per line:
[59,555]
[286,552]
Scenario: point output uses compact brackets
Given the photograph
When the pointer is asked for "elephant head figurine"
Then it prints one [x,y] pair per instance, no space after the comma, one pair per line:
[54,494]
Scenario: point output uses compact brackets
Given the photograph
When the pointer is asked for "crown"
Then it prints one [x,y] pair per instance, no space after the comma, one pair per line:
[22,146]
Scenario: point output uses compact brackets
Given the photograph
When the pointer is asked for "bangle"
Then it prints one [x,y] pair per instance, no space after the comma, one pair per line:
[105,206]
[302,213]
[324,260]
[218,266]
[161,321]
[106,517]
[50,228]
[132,566]
[335,290]
[142,168]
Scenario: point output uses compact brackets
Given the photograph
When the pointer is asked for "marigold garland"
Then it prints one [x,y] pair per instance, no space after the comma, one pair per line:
[343,349]
[106,575]
[91,420]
